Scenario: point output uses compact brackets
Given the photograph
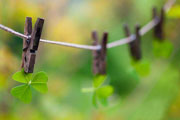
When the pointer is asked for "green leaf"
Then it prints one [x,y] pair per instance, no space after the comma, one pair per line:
[22,92]
[39,82]
[94,100]
[41,87]
[99,80]
[174,12]
[104,101]
[104,91]
[22,77]
[162,49]
[142,67]
[40,77]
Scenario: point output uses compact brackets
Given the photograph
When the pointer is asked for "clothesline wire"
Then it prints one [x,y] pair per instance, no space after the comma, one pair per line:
[116,43]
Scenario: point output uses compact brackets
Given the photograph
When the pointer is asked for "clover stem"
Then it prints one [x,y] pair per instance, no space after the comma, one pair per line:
[29,82]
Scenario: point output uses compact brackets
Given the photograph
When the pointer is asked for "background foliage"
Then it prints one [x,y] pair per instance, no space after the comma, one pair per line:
[147,90]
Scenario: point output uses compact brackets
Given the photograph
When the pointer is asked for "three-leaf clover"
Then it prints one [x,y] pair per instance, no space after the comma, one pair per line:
[37,81]
[100,92]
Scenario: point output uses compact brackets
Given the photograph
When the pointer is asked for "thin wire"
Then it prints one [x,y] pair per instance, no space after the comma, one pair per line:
[122,41]
[168,5]
[88,47]
[13,32]
[142,32]
[148,27]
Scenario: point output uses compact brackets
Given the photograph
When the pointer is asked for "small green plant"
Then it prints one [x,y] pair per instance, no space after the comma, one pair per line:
[162,49]
[37,81]
[100,92]
[142,67]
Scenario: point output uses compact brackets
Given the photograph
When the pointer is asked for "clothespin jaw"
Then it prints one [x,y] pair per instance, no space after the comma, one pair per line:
[135,45]
[36,34]
[103,53]
[26,42]
[158,30]
[99,56]
[96,53]
[32,46]
[127,31]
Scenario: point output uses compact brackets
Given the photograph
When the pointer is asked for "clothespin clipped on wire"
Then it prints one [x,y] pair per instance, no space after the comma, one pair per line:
[158,30]
[99,56]
[135,45]
[30,46]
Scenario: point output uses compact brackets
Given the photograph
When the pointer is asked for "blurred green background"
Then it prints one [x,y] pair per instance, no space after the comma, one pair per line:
[147,90]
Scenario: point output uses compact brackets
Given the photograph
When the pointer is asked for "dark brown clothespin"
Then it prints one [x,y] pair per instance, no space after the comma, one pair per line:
[135,45]
[27,32]
[158,30]
[99,56]
[96,53]
[30,45]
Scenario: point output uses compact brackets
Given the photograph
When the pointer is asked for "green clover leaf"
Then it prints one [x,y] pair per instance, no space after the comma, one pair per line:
[22,77]
[162,49]
[103,101]
[105,91]
[98,80]
[94,100]
[100,92]
[39,82]
[142,67]
[23,92]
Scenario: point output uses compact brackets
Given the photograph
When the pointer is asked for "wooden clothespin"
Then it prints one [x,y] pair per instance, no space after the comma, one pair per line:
[30,46]
[158,30]
[135,45]
[103,53]
[26,42]
[99,56]
[96,53]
